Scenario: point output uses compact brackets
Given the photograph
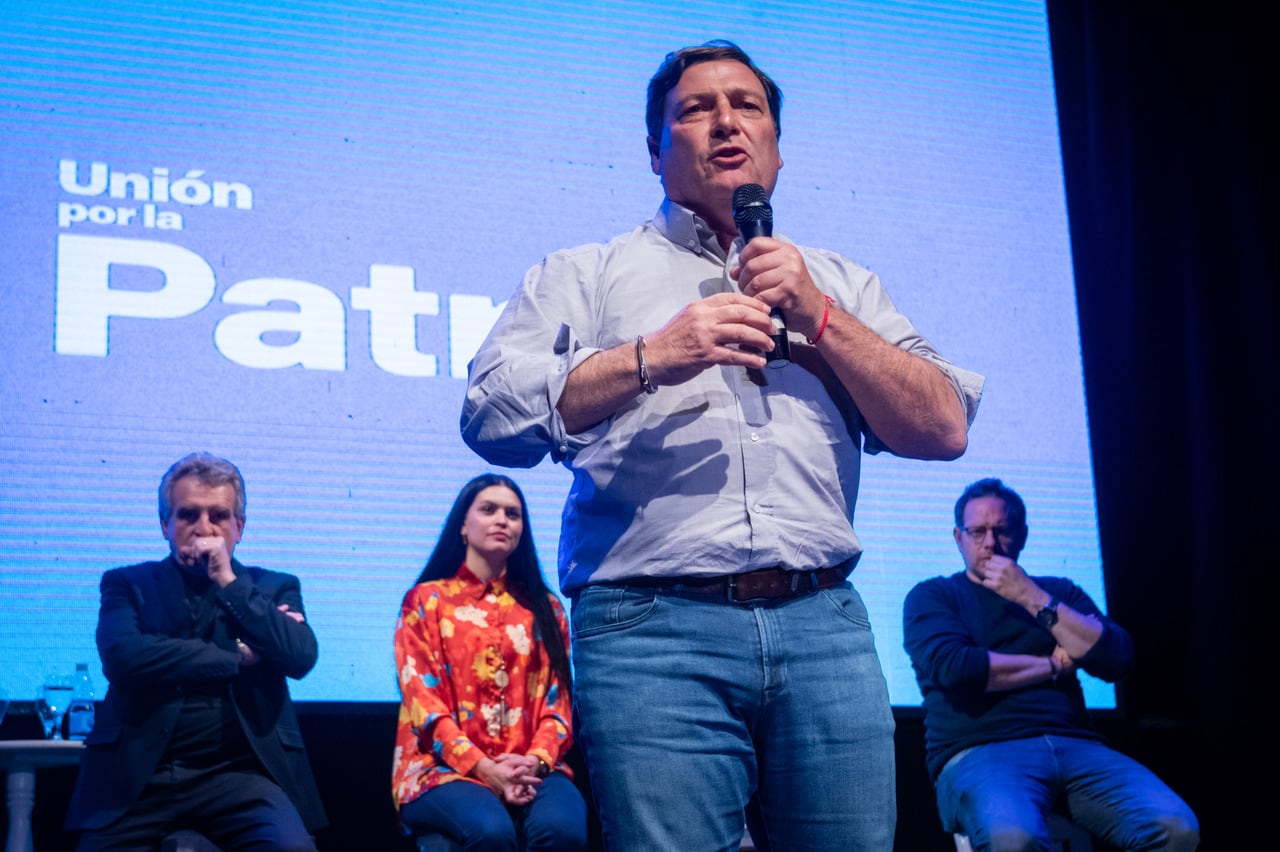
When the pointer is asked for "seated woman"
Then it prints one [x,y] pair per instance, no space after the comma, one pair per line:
[482,653]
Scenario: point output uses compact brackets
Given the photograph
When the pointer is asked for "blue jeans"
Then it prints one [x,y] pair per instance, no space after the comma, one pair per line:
[693,710]
[998,795]
[476,819]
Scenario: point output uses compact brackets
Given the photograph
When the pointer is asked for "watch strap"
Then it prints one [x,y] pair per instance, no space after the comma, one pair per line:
[1048,614]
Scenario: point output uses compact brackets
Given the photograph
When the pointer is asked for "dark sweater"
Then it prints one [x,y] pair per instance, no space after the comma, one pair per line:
[949,625]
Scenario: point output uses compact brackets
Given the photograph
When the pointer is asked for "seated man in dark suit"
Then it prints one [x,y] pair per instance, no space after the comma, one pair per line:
[197,730]
[1007,733]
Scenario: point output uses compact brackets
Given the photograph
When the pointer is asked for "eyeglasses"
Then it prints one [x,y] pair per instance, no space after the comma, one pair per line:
[980,533]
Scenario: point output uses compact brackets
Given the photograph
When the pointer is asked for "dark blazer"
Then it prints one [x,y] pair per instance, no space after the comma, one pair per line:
[150,656]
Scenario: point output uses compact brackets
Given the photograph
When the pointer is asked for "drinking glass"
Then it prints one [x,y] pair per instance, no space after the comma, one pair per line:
[52,704]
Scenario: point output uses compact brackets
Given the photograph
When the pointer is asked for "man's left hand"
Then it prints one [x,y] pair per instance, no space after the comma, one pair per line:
[775,273]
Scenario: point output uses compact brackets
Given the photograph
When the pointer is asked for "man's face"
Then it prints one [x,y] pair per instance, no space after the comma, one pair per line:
[197,511]
[717,134]
[986,533]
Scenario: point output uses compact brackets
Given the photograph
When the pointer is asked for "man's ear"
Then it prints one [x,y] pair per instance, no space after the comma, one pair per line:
[653,154]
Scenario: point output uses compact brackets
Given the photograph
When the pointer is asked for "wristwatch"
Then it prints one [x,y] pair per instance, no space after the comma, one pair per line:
[1048,615]
[543,770]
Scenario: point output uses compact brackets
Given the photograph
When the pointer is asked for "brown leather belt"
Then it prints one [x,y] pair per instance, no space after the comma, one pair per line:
[760,585]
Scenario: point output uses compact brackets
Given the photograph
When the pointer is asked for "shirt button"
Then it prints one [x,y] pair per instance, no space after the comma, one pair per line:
[755,437]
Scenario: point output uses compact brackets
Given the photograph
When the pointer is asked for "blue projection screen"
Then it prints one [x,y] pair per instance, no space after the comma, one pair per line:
[279,231]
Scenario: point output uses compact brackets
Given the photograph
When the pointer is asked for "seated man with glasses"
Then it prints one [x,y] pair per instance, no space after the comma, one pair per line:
[1007,734]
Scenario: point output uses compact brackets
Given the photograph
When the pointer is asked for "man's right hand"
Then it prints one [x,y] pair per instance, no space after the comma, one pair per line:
[211,553]
[725,329]
[1007,579]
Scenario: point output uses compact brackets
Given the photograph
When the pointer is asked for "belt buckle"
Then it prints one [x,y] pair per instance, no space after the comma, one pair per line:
[731,591]
[731,587]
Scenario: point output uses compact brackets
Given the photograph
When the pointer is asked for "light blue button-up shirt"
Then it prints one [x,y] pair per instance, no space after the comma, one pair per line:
[733,470]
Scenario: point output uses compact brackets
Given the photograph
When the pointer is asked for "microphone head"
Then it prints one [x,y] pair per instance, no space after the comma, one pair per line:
[751,211]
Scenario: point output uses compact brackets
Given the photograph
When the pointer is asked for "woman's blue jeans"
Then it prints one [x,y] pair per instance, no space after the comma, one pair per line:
[475,818]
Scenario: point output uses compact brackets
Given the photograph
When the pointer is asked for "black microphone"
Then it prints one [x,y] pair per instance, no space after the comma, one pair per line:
[754,218]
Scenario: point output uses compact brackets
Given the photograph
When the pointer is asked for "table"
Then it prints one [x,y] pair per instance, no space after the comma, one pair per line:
[20,759]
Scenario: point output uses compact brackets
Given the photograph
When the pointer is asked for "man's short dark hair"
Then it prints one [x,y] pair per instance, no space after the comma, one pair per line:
[992,487]
[678,61]
[210,470]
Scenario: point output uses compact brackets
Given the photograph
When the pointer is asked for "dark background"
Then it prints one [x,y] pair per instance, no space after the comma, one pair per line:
[1168,150]
[1165,112]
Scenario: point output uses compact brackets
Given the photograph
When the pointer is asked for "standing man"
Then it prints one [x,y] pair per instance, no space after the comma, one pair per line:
[197,730]
[722,659]
[1007,732]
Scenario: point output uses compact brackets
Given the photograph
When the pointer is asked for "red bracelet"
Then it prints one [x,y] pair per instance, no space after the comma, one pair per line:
[822,326]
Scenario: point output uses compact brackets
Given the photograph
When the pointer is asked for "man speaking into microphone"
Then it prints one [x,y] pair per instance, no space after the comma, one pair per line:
[723,660]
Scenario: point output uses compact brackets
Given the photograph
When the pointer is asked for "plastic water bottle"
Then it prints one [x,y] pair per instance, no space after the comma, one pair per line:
[80,710]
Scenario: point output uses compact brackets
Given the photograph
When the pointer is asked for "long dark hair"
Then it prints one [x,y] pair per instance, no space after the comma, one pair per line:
[524,574]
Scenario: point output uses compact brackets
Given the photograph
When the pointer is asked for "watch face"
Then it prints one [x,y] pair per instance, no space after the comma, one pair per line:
[1048,616]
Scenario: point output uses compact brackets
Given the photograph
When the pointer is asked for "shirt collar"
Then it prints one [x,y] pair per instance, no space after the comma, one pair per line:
[687,229]
[476,587]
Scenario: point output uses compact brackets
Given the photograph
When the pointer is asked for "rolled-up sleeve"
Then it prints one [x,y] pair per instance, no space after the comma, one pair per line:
[514,384]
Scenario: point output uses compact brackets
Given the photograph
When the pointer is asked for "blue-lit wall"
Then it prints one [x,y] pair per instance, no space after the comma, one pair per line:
[304,215]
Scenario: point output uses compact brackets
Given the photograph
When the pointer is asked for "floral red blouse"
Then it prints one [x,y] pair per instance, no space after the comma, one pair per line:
[474,683]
